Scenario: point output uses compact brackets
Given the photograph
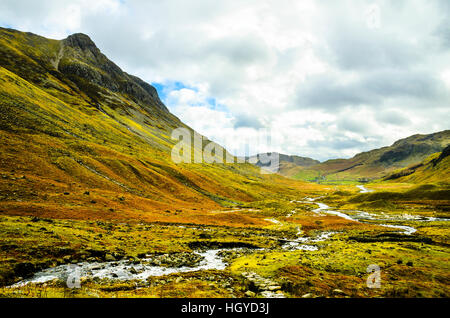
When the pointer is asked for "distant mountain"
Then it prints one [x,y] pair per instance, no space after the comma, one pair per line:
[376,163]
[286,162]
[80,138]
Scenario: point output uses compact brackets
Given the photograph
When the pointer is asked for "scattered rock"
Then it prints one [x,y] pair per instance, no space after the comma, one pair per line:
[179,280]
[110,258]
[67,258]
[309,295]
[338,292]
[173,259]
[250,294]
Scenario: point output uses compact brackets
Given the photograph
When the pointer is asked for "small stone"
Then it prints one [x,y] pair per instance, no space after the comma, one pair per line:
[179,280]
[110,258]
[309,295]
[250,294]
[273,288]
[338,291]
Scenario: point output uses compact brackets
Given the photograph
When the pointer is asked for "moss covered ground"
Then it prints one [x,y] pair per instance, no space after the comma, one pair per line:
[411,266]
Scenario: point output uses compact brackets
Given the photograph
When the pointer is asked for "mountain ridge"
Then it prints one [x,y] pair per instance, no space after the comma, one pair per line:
[82,139]
[286,162]
[376,163]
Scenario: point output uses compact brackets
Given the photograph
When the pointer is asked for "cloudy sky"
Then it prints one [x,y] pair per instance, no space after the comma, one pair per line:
[325,78]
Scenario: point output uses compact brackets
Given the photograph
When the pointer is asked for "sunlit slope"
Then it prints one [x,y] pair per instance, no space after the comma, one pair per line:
[434,169]
[81,138]
[376,163]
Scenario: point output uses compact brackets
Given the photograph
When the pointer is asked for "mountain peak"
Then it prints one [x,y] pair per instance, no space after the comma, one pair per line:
[82,41]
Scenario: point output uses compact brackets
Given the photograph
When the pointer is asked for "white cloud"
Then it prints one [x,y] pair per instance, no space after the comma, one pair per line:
[329,78]
[445,75]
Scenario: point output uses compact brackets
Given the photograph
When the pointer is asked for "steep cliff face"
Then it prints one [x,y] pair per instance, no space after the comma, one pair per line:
[80,59]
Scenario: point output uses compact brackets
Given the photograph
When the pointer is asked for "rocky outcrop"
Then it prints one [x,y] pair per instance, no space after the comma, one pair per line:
[83,42]
[85,65]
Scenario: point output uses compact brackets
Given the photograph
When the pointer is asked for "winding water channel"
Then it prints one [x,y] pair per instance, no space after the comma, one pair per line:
[124,270]
[213,258]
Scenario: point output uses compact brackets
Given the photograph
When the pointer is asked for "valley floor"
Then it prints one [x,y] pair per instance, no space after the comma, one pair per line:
[322,244]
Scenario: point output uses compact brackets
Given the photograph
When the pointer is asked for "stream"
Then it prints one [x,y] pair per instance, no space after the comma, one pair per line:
[365,217]
[213,259]
[124,270]
[363,189]
[361,215]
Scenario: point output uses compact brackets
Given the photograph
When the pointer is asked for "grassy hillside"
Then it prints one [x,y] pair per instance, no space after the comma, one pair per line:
[376,163]
[80,138]
[434,169]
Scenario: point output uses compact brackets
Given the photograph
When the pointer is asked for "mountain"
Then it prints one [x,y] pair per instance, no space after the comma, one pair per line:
[376,163]
[80,138]
[434,169]
[287,163]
